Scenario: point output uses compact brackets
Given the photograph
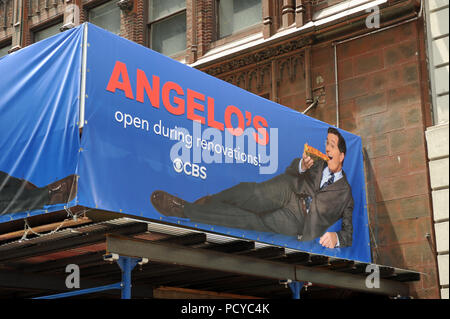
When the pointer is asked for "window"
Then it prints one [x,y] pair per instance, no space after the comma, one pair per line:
[236,15]
[47,32]
[167,26]
[4,50]
[106,16]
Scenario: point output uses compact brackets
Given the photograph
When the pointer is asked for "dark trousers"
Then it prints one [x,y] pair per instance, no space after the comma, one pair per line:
[18,195]
[269,206]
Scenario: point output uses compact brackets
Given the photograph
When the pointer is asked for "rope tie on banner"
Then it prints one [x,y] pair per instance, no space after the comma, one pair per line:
[25,232]
[28,229]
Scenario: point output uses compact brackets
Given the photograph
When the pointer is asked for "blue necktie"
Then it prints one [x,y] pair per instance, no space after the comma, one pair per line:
[328,182]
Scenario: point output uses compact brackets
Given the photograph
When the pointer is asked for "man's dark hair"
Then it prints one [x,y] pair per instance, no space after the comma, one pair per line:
[341,142]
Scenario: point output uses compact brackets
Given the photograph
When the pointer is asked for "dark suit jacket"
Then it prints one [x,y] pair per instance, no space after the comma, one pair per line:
[328,205]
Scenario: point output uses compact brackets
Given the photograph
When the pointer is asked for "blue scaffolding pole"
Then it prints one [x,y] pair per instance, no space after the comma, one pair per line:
[126,264]
[80,292]
[296,287]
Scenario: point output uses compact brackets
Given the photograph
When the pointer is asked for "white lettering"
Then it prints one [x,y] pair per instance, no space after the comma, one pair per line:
[373,279]
[73,280]
[373,19]
[246,308]
[193,309]
[129,120]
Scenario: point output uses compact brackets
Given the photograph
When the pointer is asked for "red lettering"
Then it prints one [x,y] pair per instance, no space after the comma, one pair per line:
[262,136]
[211,121]
[169,86]
[175,104]
[120,70]
[192,105]
[142,84]
[230,110]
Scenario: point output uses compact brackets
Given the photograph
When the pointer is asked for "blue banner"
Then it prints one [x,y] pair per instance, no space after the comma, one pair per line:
[39,105]
[167,142]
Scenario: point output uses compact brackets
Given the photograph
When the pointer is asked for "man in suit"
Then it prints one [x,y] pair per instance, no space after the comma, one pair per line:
[19,195]
[304,201]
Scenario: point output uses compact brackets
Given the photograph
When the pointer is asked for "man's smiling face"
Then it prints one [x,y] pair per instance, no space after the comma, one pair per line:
[332,150]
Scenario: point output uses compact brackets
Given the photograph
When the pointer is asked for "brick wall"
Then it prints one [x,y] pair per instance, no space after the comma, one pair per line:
[383,99]
[40,14]
[133,24]
[380,97]
[205,26]
[6,21]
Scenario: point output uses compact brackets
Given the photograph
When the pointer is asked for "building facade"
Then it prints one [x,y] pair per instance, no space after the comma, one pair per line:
[377,69]
[437,17]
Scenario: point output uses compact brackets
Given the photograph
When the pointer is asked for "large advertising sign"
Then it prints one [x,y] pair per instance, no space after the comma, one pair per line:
[165,142]
[168,142]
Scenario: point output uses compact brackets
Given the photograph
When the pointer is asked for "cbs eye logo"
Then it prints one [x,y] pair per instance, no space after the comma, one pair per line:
[189,169]
[178,165]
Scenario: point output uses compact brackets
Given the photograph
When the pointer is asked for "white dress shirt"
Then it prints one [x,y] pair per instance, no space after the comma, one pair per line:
[325,175]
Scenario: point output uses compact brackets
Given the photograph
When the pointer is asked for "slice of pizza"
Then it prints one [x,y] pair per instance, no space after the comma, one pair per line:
[315,154]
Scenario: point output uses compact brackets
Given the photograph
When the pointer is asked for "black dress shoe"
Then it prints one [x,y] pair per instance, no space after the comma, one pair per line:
[168,205]
[62,191]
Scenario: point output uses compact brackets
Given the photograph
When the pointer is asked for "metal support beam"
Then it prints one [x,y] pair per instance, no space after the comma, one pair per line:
[212,260]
